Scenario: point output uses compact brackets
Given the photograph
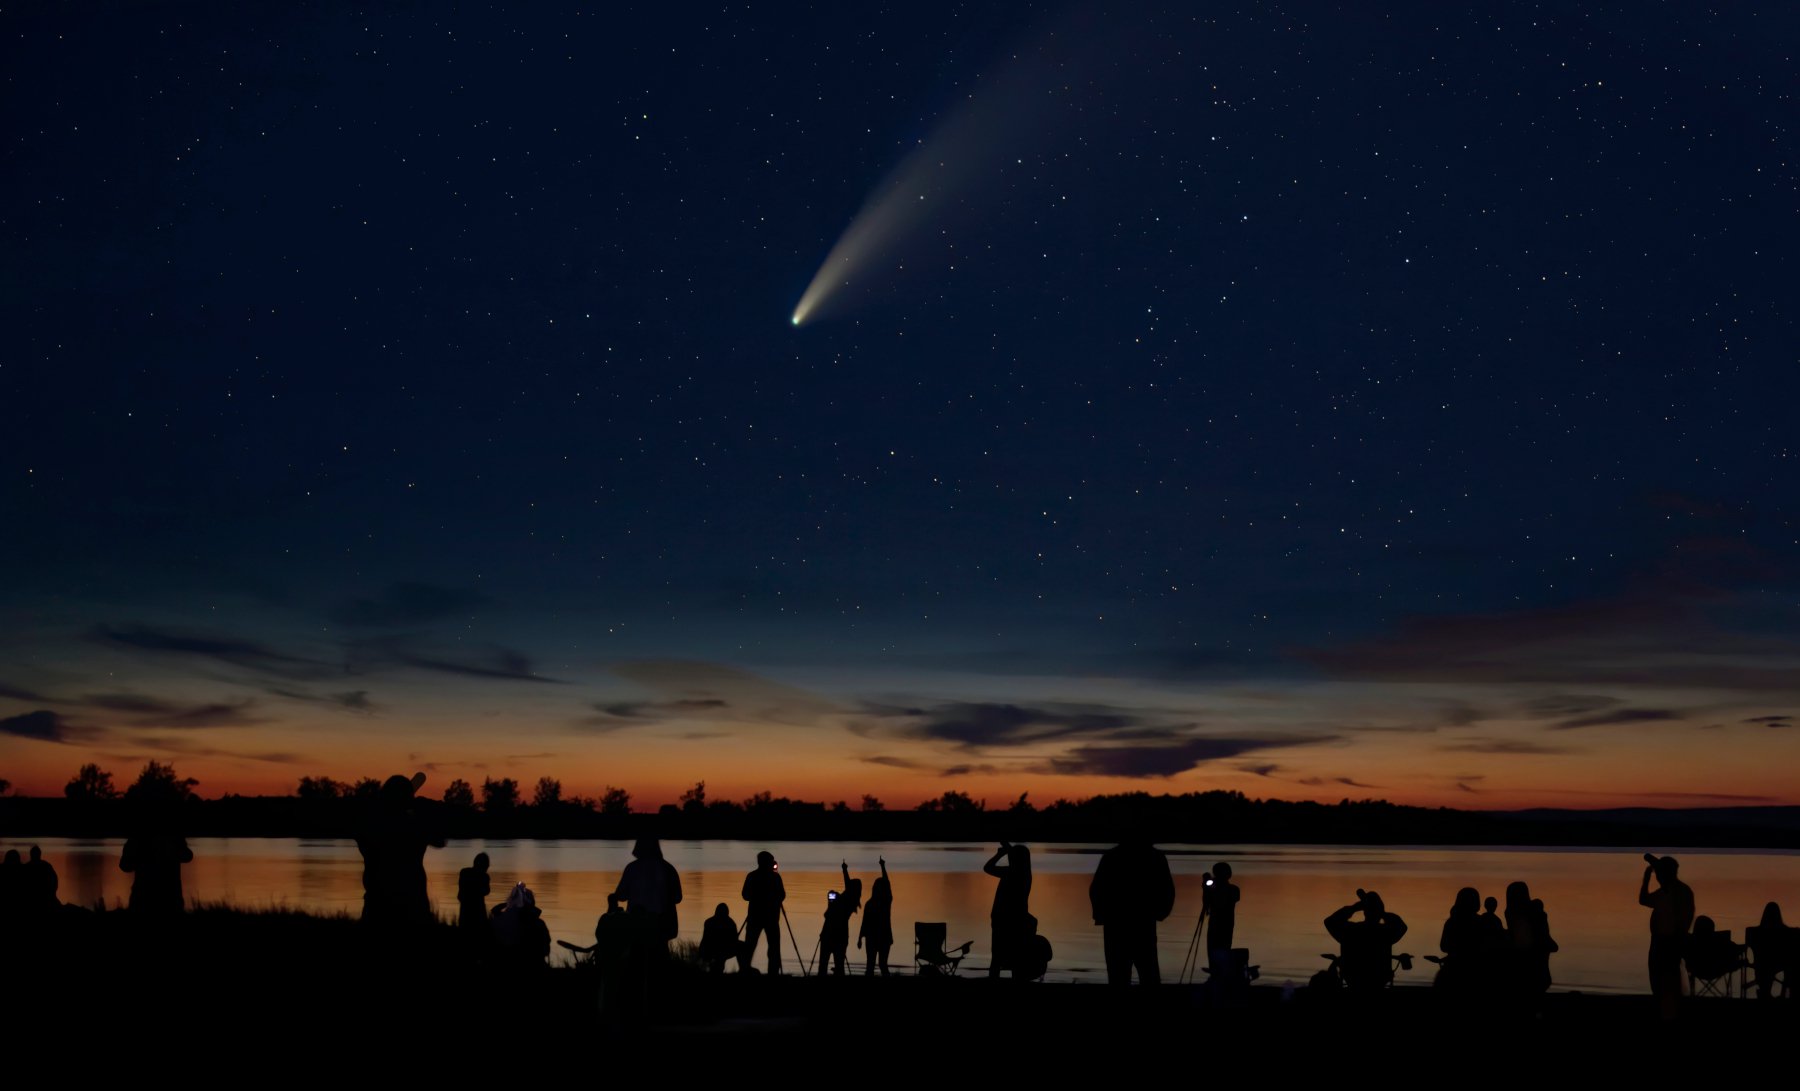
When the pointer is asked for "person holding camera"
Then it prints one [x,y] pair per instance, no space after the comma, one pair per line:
[1132,890]
[1671,908]
[1365,947]
[1011,916]
[1219,899]
[765,892]
[834,938]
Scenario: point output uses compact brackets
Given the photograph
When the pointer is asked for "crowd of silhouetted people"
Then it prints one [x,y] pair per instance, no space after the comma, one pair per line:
[1488,950]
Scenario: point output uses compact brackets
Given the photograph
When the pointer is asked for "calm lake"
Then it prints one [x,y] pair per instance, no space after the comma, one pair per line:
[1590,894]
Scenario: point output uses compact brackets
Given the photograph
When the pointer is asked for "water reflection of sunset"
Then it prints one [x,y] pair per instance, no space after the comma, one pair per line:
[1591,896]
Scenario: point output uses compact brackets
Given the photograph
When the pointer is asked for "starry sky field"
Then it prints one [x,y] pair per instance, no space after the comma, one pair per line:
[1314,401]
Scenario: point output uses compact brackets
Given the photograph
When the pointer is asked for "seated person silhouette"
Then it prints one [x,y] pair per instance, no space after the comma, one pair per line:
[718,939]
[12,886]
[1774,953]
[1366,946]
[1467,944]
[520,931]
[615,947]
[612,935]
[1710,954]
[40,884]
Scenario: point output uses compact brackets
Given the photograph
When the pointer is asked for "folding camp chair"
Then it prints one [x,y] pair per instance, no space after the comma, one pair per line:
[1712,959]
[930,957]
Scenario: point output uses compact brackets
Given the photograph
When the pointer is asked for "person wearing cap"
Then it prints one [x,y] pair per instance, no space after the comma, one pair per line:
[1671,907]
[764,891]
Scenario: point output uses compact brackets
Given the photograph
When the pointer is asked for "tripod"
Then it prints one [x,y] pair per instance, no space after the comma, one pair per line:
[795,942]
[1191,962]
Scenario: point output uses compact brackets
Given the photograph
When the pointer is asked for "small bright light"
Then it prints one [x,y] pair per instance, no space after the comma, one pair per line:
[795,320]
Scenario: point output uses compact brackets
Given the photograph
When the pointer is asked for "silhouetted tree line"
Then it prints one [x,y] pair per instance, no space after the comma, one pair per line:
[92,805]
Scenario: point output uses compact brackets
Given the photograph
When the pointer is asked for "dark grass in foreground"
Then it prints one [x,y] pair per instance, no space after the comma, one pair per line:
[237,976]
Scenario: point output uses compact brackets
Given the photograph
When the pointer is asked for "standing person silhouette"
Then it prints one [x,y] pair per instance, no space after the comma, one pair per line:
[1529,945]
[1221,901]
[1011,914]
[650,887]
[1671,907]
[472,887]
[834,938]
[153,856]
[393,840]
[878,923]
[1131,891]
[765,892]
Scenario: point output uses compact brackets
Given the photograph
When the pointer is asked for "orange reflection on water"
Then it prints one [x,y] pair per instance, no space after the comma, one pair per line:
[1590,895]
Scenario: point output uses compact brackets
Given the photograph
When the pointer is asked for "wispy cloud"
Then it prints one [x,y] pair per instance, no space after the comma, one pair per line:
[1504,746]
[216,714]
[44,725]
[1165,760]
[495,664]
[405,605]
[1771,721]
[245,654]
[1316,782]
[984,724]
[19,693]
[1619,716]
[654,711]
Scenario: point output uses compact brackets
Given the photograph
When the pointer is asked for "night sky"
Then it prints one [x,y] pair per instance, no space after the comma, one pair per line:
[1310,402]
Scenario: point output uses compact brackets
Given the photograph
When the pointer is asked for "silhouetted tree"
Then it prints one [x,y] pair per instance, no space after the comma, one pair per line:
[1022,805]
[91,782]
[953,803]
[547,794]
[365,789]
[160,781]
[840,807]
[5,786]
[320,789]
[693,801]
[870,804]
[499,796]
[460,793]
[615,801]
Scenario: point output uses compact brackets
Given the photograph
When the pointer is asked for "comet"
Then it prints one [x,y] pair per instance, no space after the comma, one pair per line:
[996,125]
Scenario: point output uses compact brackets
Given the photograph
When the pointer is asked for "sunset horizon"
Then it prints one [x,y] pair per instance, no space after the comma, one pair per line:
[1074,411]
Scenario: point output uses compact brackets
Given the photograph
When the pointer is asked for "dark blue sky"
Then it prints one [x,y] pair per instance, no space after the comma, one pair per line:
[1397,371]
